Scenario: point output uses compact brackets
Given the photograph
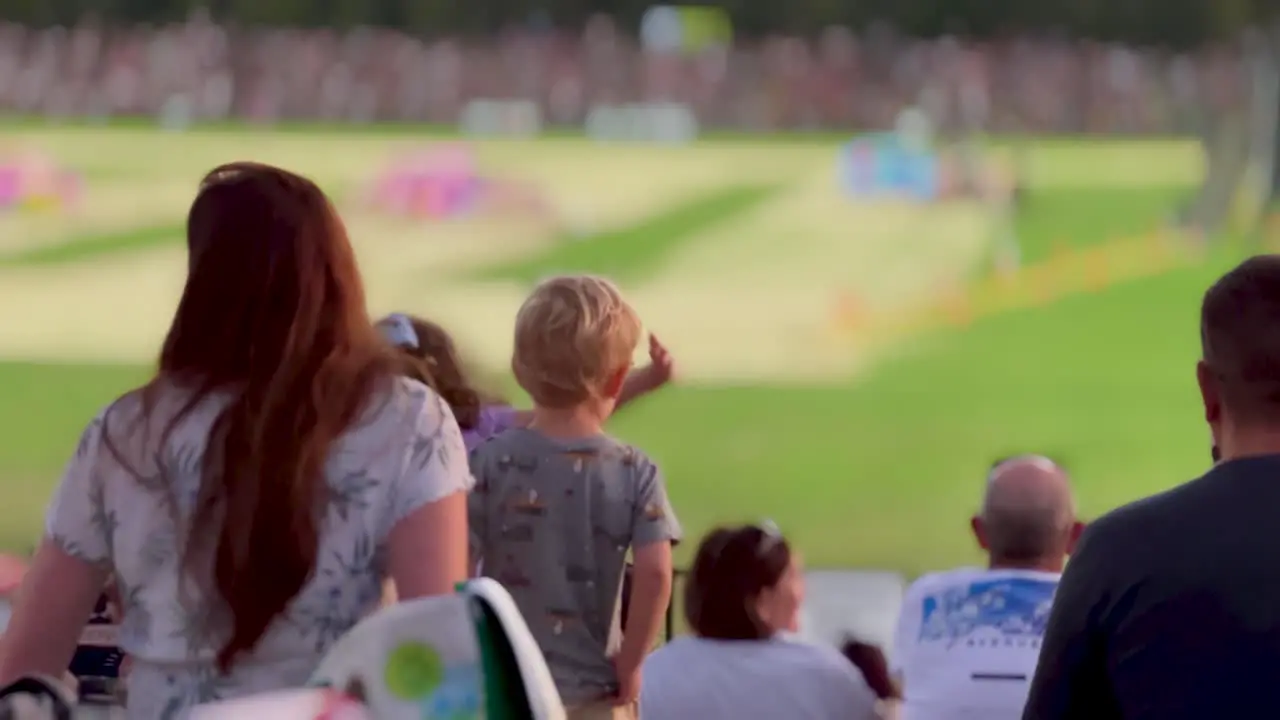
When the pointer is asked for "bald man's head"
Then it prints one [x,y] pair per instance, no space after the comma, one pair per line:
[1028,515]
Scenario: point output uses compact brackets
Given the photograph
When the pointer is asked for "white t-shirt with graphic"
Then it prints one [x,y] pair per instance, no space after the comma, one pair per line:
[967,642]
[692,678]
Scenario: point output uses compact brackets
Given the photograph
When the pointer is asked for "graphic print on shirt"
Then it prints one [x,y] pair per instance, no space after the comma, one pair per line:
[1010,612]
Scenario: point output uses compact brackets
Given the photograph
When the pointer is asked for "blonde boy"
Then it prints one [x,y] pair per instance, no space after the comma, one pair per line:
[558,505]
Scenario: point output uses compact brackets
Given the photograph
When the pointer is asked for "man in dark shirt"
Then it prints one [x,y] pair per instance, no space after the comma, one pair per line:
[1170,606]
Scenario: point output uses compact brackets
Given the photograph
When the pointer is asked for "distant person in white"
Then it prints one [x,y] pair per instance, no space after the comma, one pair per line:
[742,601]
[967,640]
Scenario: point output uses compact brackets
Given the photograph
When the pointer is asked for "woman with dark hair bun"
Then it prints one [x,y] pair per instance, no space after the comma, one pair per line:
[742,601]
[250,499]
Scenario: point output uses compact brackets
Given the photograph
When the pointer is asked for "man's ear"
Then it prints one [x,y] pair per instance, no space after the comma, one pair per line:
[613,384]
[979,532]
[1209,393]
[1077,529]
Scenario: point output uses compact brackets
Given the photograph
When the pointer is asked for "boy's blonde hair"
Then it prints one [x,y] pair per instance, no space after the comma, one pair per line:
[572,333]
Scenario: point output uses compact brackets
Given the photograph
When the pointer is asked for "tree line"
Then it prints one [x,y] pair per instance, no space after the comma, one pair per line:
[1170,23]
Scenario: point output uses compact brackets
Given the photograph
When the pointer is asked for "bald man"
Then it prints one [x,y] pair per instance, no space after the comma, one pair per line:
[967,640]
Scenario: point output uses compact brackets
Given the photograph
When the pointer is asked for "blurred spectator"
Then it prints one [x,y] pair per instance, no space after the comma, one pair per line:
[1171,607]
[251,497]
[874,666]
[967,640]
[742,600]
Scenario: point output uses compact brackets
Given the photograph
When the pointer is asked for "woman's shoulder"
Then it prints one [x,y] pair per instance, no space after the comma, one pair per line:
[404,403]
[781,647]
[812,658]
[136,424]
[830,672]
[677,655]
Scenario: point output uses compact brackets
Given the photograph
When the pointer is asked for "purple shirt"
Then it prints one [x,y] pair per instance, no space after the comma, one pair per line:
[494,419]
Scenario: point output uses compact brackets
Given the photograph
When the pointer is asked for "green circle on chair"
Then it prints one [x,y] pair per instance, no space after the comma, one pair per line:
[413,671]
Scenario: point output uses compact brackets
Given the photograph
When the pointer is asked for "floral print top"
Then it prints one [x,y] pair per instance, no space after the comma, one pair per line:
[406,451]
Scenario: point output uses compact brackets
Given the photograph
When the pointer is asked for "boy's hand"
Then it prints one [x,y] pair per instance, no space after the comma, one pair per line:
[662,367]
[628,682]
[660,370]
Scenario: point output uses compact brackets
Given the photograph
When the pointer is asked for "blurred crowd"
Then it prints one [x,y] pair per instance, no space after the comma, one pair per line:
[838,80]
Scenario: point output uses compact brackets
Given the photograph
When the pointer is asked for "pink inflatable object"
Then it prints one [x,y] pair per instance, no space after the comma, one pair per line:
[433,184]
[32,182]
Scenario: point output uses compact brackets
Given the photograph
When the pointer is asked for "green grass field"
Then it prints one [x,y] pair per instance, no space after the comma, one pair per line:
[735,251]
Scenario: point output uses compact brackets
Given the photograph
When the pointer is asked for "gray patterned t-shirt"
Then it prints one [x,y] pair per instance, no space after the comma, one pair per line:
[404,453]
[552,520]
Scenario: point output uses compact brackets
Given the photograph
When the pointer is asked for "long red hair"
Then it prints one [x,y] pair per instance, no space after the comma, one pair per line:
[273,315]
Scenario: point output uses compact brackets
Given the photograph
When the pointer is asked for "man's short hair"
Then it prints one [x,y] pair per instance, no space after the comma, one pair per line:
[1240,338]
[572,333]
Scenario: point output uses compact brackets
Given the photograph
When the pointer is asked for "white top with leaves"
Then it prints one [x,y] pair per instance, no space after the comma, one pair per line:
[406,451]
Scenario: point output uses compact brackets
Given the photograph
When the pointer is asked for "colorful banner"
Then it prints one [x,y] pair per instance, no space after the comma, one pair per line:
[879,165]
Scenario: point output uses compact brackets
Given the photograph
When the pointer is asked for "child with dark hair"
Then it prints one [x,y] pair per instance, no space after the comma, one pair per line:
[874,666]
[434,360]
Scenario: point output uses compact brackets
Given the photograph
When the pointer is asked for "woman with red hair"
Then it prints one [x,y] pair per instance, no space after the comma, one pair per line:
[250,499]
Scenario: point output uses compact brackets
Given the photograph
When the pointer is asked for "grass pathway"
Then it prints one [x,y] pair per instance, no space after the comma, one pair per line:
[635,252]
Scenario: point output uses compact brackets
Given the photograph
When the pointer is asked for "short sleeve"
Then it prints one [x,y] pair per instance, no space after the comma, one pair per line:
[436,466]
[78,520]
[652,518]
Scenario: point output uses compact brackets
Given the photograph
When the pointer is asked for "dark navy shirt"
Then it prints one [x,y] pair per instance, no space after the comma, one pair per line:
[1170,607]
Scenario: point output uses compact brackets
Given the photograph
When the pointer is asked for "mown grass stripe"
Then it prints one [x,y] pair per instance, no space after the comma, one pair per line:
[95,246]
[635,252]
